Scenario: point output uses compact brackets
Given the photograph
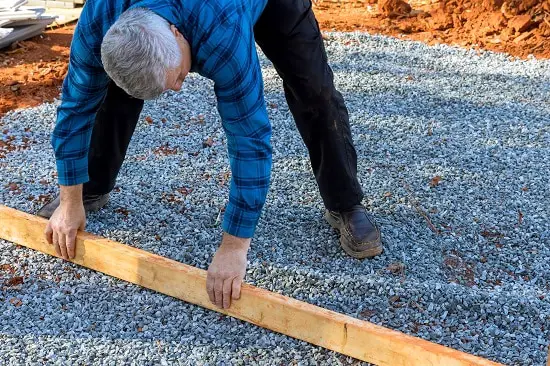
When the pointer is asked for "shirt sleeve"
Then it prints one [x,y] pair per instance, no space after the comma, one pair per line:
[83,91]
[229,58]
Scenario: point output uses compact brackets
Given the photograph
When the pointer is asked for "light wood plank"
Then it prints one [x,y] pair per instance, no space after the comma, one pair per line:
[322,327]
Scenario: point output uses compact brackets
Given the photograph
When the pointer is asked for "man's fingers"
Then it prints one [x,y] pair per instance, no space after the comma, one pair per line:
[227,293]
[56,244]
[70,242]
[218,292]
[49,234]
[63,246]
[236,288]
[210,287]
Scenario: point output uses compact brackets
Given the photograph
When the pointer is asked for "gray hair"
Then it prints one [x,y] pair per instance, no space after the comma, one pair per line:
[138,50]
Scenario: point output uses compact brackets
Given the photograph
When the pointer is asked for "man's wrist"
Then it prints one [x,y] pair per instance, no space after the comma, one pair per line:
[234,242]
[71,195]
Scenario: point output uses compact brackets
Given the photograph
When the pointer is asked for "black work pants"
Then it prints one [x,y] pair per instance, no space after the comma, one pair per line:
[289,35]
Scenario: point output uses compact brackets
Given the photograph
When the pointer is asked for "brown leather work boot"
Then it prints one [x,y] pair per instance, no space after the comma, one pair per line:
[359,235]
[92,203]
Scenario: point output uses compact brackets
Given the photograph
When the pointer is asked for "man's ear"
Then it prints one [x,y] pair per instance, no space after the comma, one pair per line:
[175,31]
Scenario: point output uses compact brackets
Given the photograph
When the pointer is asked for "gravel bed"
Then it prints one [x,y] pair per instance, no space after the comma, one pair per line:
[453,152]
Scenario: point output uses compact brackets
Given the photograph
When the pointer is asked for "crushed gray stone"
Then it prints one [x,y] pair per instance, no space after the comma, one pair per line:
[453,150]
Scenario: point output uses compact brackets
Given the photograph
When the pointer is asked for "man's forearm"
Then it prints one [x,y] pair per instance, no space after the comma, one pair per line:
[71,195]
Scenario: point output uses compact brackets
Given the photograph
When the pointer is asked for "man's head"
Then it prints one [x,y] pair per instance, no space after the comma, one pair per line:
[144,54]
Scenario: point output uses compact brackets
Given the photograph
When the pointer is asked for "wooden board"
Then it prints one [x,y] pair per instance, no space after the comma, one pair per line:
[322,327]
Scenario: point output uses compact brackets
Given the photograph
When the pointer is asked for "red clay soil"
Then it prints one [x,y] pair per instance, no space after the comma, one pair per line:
[517,27]
[32,71]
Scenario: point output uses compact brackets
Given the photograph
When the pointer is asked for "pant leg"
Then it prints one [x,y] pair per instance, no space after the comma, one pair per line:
[289,35]
[114,126]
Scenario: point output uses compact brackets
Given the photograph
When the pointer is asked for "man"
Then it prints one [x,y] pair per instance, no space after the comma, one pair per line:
[126,51]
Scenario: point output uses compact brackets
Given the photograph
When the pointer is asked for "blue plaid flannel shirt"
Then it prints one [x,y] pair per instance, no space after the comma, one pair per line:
[221,36]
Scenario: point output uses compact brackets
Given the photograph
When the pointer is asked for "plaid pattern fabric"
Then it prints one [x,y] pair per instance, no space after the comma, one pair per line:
[221,36]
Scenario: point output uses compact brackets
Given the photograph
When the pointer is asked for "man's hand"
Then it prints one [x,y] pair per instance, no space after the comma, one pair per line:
[227,271]
[67,219]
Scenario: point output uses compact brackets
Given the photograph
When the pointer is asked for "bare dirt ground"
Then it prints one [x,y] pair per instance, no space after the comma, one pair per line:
[517,27]
[31,72]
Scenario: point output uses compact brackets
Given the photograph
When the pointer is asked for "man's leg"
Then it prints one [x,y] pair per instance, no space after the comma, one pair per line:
[114,126]
[288,34]
[290,37]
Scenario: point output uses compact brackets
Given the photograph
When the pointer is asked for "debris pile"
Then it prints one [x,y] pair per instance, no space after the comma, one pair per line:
[19,22]
[514,24]
[517,27]
[501,20]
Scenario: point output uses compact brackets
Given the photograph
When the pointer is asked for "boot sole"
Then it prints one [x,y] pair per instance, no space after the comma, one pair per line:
[367,253]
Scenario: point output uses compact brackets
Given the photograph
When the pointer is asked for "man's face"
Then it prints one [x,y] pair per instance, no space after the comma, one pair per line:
[175,77]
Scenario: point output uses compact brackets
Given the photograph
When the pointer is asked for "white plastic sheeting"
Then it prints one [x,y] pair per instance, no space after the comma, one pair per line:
[18,22]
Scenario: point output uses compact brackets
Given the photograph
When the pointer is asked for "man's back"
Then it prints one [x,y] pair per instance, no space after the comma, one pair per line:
[193,18]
